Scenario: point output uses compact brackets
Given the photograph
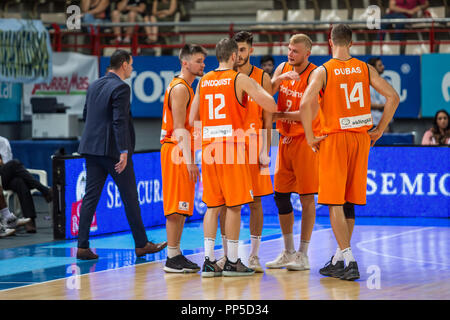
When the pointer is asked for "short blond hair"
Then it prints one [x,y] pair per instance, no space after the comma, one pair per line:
[301,38]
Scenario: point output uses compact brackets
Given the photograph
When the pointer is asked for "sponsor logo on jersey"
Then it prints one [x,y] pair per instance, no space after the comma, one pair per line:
[356,121]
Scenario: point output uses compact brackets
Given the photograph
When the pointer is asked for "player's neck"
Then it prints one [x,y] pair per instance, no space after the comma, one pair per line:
[341,53]
[299,69]
[246,69]
[225,66]
[187,76]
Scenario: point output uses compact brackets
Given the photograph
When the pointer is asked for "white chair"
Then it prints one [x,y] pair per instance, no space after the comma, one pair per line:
[50,17]
[417,49]
[360,14]
[15,208]
[319,50]
[280,50]
[387,49]
[444,48]
[268,16]
[333,15]
[358,49]
[303,15]
[260,50]
[435,12]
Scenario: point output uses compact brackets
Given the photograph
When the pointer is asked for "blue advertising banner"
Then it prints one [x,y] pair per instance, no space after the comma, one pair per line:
[152,75]
[149,80]
[435,83]
[10,101]
[401,182]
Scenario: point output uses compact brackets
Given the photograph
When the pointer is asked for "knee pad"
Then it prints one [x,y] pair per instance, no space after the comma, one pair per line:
[349,210]
[283,202]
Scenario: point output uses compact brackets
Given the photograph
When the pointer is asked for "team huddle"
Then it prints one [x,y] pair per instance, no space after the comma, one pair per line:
[323,117]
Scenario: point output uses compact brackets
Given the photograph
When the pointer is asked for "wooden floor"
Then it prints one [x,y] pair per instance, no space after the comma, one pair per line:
[395,262]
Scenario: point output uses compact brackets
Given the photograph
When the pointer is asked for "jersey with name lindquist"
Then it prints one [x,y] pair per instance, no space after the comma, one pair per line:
[220,111]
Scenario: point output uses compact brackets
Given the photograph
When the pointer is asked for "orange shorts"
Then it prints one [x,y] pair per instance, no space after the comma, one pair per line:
[297,168]
[178,189]
[225,182]
[261,182]
[343,160]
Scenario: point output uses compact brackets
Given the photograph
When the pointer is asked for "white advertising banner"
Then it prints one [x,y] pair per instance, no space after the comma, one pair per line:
[72,74]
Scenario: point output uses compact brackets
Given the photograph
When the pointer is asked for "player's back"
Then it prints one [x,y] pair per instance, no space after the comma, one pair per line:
[220,111]
[346,98]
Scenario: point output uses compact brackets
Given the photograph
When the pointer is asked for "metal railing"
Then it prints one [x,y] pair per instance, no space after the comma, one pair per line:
[275,30]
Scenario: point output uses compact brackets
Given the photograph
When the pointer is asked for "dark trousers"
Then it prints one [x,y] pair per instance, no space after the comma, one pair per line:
[16,177]
[97,170]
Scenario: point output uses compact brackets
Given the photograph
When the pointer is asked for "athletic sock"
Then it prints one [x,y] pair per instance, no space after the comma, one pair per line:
[224,245]
[255,242]
[172,252]
[304,247]
[348,256]
[289,242]
[233,248]
[337,256]
[209,248]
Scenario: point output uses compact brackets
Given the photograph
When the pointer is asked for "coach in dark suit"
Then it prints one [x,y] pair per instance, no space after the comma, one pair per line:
[107,143]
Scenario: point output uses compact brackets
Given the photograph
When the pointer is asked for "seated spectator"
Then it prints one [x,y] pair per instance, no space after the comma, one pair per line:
[267,64]
[8,221]
[162,11]
[95,11]
[127,11]
[403,9]
[439,134]
[376,99]
[16,177]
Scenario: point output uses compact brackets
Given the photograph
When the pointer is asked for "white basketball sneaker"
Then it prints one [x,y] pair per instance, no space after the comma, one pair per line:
[281,261]
[253,263]
[300,263]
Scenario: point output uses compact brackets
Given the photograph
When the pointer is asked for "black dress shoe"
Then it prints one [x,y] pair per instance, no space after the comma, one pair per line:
[30,226]
[86,254]
[150,247]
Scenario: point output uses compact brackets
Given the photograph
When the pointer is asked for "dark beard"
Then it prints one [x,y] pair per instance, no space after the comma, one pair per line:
[245,61]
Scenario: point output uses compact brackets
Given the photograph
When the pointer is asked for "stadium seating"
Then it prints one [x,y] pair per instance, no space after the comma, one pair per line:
[332,15]
[300,16]
[386,49]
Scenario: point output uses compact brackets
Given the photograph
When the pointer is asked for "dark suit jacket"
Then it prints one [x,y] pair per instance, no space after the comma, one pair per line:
[109,127]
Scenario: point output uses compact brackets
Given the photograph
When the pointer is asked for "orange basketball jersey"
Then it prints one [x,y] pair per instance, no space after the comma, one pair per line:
[220,111]
[289,98]
[346,98]
[254,118]
[167,124]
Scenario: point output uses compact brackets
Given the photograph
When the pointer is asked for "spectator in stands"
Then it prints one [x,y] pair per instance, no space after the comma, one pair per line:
[127,11]
[16,177]
[403,9]
[162,11]
[376,99]
[439,134]
[268,64]
[95,11]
